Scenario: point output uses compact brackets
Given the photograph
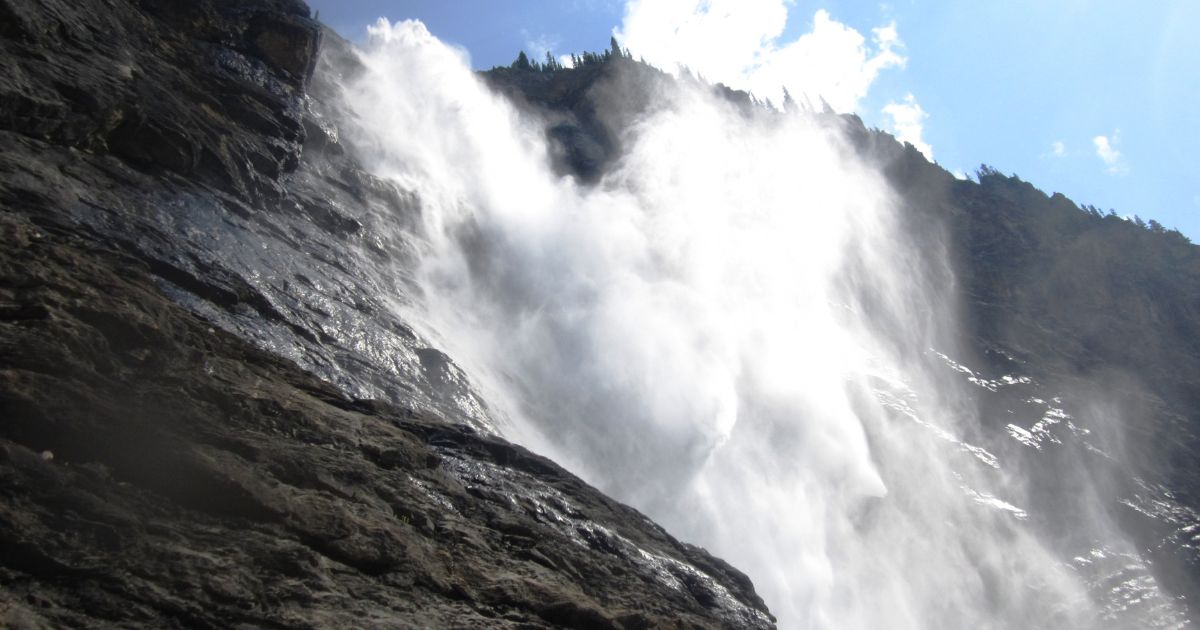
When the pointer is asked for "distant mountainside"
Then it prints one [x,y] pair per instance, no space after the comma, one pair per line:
[216,410]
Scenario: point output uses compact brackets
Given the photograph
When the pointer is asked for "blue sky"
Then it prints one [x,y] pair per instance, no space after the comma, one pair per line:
[1096,99]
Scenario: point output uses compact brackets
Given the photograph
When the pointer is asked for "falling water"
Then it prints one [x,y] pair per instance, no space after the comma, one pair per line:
[730,331]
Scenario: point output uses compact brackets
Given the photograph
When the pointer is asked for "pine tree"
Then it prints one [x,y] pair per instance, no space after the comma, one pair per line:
[789,104]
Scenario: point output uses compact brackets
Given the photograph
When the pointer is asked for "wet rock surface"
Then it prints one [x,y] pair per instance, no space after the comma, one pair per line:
[159,472]
[210,90]
[212,411]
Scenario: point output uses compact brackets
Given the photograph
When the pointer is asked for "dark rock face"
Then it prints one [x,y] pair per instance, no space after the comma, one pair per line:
[1108,312]
[1098,310]
[158,472]
[195,307]
[209,90]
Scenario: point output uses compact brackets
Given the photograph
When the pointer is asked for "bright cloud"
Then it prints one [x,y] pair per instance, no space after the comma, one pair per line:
[539,46]
[738,42]
[1058,149]
[1106,150]
[908,123]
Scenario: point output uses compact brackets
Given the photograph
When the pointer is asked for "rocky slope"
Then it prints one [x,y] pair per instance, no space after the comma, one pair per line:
[210,416]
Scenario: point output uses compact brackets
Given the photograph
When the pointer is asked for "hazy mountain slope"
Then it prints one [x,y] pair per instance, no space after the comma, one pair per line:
[1105,311]
[1099,313]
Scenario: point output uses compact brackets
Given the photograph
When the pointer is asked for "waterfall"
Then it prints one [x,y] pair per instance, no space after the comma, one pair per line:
[733,331]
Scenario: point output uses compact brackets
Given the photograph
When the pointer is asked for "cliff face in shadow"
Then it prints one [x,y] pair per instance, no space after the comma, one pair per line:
[1106,313]
[211,412]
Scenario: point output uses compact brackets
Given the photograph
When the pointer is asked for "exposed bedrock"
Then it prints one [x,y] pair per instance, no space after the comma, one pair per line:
[211,413]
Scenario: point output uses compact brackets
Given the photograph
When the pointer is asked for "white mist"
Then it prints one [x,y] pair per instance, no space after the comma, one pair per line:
[726,332]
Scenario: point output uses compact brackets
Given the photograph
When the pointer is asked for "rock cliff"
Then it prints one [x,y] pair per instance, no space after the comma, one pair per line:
[210,413]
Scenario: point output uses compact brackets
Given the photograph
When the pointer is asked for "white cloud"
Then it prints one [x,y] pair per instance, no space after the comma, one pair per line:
[908,123]
[539,46]
[1106,150]
[1057,150]
[738,42]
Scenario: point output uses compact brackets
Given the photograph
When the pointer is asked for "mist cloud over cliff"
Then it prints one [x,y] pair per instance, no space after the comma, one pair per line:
[730,330]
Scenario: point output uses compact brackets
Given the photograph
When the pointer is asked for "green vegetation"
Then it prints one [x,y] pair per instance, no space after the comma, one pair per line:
[522,62]
[995,178]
